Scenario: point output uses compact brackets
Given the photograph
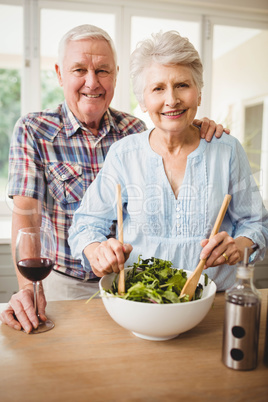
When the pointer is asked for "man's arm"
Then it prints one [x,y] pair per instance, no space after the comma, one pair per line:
[20,311]
[26,213]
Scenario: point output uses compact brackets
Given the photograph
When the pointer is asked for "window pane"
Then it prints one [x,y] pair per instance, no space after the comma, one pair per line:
[239,90]
[11,18]
[54,24]
[253,138]
[189,29]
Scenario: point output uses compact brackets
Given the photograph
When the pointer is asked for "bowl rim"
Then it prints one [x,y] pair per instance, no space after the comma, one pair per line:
[110,296]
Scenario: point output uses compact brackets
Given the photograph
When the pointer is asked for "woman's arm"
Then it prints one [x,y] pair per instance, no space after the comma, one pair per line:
[106,257]
[223,249]
[247,213]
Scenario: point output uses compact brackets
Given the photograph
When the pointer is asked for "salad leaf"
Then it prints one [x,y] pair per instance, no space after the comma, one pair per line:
[177,281]
[154,281]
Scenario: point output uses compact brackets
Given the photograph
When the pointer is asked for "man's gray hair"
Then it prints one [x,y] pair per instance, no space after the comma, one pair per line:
[80,32]
[168,48]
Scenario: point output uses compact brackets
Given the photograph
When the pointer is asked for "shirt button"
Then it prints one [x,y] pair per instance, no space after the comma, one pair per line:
[63,176]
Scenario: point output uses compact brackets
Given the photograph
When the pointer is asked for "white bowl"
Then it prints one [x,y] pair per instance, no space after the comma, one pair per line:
[157,322]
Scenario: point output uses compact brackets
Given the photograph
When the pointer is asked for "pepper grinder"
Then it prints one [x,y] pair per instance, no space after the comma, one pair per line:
[242,320]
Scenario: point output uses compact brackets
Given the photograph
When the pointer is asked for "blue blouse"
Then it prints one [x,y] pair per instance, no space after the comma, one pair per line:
[158,224]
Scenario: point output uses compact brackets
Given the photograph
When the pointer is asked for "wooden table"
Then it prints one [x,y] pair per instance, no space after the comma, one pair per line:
[88,357]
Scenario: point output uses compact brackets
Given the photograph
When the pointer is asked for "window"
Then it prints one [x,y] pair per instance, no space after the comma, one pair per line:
[256,141]
[253,136]
[11,27]
[54,24]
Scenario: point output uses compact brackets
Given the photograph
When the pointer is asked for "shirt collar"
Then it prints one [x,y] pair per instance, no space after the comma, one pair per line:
[72,124]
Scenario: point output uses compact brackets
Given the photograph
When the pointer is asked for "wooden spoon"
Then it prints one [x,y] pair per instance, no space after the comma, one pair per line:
[121,282]
[192,281]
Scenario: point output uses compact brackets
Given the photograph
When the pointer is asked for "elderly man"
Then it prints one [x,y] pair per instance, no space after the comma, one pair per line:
[56,154]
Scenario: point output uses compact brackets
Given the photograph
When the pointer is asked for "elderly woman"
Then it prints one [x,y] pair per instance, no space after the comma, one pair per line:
[173,182]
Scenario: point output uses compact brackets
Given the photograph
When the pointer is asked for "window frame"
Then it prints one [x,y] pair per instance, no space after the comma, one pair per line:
[7,205]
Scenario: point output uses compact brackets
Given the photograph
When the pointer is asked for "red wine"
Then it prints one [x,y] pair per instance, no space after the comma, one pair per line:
[35,269]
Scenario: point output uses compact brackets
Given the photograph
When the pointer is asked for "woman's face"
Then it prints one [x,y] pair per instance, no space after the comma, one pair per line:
[170,97]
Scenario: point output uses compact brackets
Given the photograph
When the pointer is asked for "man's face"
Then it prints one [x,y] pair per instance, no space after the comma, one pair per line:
[88,78]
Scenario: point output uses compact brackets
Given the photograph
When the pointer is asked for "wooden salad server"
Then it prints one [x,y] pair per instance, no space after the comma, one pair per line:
[121,282]
[192,281]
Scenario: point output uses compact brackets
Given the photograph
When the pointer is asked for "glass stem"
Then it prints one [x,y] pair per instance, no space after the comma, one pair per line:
[36,291]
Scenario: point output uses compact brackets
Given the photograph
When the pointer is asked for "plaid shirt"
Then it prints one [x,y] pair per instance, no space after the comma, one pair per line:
[53,159]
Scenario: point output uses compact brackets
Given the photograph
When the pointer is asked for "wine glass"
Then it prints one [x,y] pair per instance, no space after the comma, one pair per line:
[35,258]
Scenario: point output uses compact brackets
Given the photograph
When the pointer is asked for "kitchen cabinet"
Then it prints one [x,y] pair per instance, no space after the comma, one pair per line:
[261,273]
[8,279]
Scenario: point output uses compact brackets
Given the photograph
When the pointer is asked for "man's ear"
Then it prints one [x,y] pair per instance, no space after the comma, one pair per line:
[117,71]
[58,72]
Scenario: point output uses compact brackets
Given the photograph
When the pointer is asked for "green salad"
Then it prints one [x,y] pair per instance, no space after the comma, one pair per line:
[155,281]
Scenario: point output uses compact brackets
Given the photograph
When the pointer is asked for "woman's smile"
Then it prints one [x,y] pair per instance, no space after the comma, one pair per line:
[174,114]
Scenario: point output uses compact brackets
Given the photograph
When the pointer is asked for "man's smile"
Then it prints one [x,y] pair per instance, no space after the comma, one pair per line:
[92,96]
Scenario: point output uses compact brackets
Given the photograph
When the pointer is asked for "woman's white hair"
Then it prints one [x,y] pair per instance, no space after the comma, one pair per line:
[168,48]
[80,32]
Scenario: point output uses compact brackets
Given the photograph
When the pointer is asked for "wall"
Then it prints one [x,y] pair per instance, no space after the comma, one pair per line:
[253,73]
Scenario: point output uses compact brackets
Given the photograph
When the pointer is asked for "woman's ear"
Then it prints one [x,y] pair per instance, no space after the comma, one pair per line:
[143,108]
[199,99]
